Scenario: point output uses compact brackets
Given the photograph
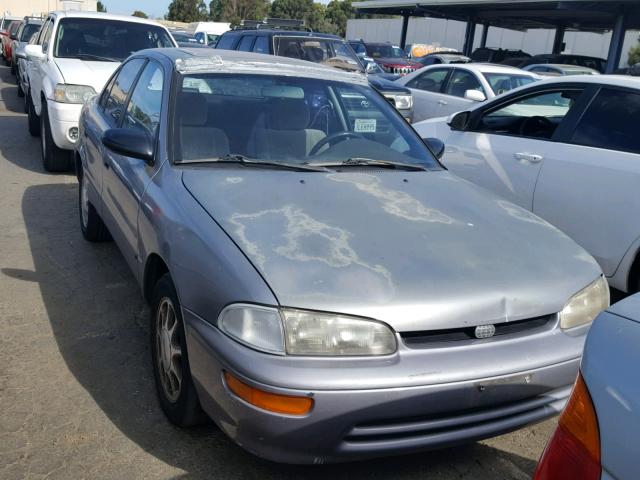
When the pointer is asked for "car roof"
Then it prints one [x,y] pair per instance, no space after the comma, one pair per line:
[205,60]
[562,66]
[286,33]
[565,55]
[486,68]
[104,16]
[613,80]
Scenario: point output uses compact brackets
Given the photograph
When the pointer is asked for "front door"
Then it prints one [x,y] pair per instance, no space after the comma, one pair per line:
[125,179]
[507,145]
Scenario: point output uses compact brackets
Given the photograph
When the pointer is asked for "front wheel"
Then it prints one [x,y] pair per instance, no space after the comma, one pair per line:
[174,385]
[54,159]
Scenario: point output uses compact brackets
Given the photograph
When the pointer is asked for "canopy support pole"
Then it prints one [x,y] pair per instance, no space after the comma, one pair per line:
[558,40]
[485,32]
[615,47]
[469,36]
[403,32]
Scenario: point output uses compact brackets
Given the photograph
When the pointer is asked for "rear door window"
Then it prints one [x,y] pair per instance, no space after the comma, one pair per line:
[431,81]
[611,122]
[246,43]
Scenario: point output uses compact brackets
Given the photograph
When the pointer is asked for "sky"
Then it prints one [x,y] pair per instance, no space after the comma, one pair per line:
[153,8]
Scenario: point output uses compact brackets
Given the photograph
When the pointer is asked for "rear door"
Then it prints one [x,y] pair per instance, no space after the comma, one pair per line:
[589,185]
[427,93]
[125,179]
[508,141]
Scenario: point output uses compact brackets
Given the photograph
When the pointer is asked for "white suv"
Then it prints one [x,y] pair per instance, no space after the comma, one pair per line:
[72,59]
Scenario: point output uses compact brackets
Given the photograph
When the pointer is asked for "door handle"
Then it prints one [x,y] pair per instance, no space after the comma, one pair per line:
[528,157]
[442,102]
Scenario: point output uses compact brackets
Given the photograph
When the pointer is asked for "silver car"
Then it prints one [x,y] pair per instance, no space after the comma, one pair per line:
[319,285]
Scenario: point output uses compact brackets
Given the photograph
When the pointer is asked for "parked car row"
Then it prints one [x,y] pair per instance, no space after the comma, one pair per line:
[305,252]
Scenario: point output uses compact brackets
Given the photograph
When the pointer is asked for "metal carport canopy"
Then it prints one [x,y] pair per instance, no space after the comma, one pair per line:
[582,15]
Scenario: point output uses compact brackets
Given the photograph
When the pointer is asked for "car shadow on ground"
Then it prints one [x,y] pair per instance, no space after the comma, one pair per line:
[9,92]
[100,324]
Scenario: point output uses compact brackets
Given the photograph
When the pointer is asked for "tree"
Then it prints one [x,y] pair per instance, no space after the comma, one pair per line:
[634,55]
[100,7]
[139,14]
[187,11]
[337,14]
[294,9]
[233,11]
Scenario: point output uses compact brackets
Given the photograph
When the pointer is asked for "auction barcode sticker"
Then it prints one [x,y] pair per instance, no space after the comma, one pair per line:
[365,125]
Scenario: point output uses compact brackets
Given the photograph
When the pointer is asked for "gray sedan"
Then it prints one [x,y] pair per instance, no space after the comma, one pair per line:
[319,285]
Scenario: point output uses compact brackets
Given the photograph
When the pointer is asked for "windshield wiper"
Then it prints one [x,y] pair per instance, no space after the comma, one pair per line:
[242,160]
[359,161]
[90,56]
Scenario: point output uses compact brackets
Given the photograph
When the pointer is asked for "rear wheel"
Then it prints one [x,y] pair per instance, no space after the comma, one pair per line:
[175,388]
[54,159]
[34,121]
[92,226]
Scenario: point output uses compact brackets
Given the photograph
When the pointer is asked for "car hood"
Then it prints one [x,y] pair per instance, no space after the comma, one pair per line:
[416,250]
[84,72]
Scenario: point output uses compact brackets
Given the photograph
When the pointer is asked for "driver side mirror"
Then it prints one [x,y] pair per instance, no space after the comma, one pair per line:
[435,145]
[130,143]
[34,52]
[458,121]
[475,95]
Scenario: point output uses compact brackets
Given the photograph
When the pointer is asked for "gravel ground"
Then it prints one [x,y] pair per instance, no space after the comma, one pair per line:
[76,392]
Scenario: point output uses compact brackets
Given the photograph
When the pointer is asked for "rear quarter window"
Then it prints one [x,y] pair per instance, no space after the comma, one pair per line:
[227,42]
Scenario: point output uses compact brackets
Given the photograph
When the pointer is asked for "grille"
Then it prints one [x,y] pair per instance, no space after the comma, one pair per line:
[462,423]
[424,339]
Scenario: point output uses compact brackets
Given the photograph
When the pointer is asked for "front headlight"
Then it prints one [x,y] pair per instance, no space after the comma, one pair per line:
[585,305]
[73,93]
[402,101]
[306,333]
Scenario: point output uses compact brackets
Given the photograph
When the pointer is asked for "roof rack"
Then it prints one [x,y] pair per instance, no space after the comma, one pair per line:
[273,23]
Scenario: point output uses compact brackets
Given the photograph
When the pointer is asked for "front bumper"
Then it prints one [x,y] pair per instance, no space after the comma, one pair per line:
[366,408]
[63,117]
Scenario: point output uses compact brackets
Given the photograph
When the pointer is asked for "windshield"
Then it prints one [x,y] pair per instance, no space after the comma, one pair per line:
[503,82]
[384,51]
[289,120]
[28,30]
[327,51]
[106,40]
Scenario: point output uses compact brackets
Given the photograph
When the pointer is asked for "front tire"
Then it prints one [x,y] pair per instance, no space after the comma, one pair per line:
[32,117]
[174,385]
[92,226]
[54,159]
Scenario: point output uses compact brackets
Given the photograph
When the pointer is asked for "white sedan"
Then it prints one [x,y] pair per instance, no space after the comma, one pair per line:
[443,89]
[567,149]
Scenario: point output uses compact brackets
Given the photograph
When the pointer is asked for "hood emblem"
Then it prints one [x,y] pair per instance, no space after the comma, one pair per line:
[485,331]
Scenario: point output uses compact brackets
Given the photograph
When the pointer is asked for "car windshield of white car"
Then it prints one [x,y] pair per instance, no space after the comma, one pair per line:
[106,40]
[292,120]
[503,82]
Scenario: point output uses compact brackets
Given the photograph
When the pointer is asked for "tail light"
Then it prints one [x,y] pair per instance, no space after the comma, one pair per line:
[574,449]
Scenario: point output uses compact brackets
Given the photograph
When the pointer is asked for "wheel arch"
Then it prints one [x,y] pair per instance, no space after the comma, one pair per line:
[154,268]
[633,281]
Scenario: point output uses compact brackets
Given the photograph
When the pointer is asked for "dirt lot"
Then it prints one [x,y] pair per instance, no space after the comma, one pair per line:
[76,392]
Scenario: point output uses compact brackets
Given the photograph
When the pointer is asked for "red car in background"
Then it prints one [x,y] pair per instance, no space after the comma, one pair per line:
[392,59]
[7,36]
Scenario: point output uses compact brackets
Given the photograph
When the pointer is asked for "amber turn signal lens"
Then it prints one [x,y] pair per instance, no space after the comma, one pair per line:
[574,449]
[271,402]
